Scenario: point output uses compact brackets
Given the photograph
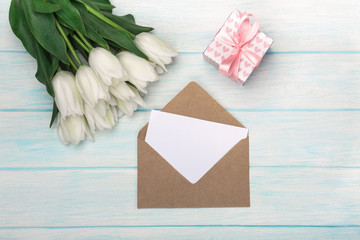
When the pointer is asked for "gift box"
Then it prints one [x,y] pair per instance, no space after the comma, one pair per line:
[238,47]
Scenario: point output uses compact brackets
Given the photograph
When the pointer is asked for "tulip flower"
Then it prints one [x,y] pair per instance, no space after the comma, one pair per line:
[122,91]
[137,98]
[73,129]
[67,97]
[155,48]
[106,66]
[112,101]
[138,70]
[127,107]
[89,86]
[112,115]
[101,116]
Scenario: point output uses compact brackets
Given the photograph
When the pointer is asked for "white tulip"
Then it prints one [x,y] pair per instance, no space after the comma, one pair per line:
[127,107]
[155,48]
[67,97]
[137,99]
[106,66]
[112,115]
[122,91]
[112,100]
[138,70]
[89,86]
[101,116]
[116,112]
[73,129]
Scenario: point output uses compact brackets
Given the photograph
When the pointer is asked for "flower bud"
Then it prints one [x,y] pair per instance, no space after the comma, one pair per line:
[67,97]
[73,129]
[106,66]
[155,48]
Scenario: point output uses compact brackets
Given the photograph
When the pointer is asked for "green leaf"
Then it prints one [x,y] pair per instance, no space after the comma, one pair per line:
[68,31]
[42,27]
[108,32]
[19,26]
[47,65]
[129,18]
[91,3]
[120,38]
[70,15]
[54,66]
[55,112]
[42,6]
[94,36]
[65,67]
[105,7]
[114,47]
[123,22]
[80,49]
[101,1]
[117,36]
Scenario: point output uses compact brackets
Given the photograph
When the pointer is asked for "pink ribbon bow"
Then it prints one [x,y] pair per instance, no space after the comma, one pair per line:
[245,33]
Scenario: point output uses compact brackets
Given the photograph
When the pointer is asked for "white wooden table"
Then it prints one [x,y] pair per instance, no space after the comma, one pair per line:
[302,107]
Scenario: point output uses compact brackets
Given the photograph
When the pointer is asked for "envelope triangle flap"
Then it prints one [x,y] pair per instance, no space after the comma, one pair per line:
[194,101]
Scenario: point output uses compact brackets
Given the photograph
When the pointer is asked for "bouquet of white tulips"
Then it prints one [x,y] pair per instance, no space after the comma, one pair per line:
[96,65]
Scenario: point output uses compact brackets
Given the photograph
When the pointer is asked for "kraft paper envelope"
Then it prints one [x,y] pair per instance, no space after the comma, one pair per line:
[226,184]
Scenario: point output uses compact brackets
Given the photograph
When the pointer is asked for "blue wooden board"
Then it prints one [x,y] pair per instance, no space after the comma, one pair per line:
[301,106]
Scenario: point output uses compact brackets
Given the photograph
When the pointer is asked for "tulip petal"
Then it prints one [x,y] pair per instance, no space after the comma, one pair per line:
[88,85]
[106,66]
[67,97]
[122,91]
[138,99]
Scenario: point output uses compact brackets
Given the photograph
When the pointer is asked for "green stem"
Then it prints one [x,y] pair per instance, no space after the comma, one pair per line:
[87,43]
[72,64]
[67,41]
[80,43]
[108,21]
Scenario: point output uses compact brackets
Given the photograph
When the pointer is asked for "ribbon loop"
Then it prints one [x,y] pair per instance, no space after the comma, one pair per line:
[245,32]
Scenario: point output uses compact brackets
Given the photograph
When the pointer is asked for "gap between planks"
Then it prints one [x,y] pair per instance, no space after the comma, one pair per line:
[185,226]
[269,52]
[228,109]
[135,167]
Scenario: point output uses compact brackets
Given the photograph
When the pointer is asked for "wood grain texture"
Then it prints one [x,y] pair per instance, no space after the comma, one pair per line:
[276,139]
[282,81]
[301,106]
[189,25]
[180,233]
[279,196]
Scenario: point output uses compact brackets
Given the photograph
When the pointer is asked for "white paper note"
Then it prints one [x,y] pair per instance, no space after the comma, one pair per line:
[192,146]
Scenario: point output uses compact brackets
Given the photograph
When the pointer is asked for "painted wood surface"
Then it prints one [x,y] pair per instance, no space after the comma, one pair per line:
[277,138]
[282,81]
[307,25]
[301,106]
[279,196]
[166,232]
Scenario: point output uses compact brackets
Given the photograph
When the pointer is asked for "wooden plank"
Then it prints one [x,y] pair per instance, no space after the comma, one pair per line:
[276,139]
[164,233]
[19,89]
[190,25]
[282,81]
[279,196]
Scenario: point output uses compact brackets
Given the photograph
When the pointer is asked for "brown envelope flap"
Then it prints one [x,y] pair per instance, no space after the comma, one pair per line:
[194,101]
